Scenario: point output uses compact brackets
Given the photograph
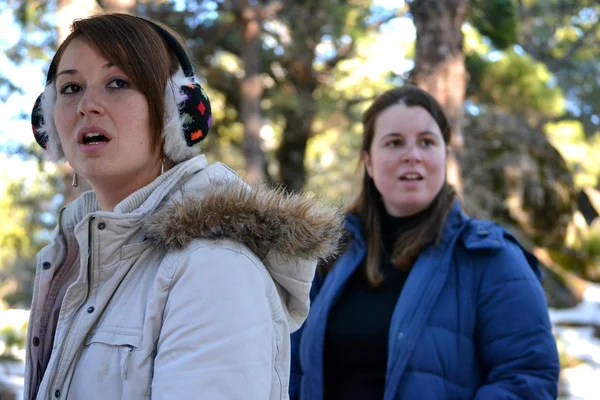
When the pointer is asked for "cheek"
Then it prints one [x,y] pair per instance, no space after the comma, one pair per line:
[133,127]
[385,163]
[385,175]
[65,119]
[436,163]
[137,116]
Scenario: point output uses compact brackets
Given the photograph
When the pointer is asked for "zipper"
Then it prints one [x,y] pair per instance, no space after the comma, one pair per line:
[124,357]
[72,321]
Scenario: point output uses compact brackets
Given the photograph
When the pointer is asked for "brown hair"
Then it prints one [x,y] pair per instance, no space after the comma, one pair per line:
[133,45]
[368,204]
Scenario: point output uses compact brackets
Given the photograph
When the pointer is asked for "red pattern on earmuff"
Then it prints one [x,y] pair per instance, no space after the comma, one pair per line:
[196,113]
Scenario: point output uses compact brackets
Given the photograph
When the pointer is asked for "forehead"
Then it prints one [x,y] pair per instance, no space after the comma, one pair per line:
[80,53]
[406,120]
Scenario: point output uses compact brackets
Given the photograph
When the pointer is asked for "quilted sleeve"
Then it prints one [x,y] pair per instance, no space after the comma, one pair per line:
[514,337]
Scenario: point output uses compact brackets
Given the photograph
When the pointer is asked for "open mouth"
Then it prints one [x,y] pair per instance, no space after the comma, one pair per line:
[411,177]
[94,138]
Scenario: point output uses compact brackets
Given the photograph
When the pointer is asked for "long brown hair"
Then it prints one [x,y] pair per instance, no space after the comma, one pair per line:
[368,204]
[134,46]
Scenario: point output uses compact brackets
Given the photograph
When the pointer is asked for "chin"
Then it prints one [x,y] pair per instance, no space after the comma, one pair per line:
[95,175]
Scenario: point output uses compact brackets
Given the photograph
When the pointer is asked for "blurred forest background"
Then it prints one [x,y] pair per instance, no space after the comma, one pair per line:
[288,80]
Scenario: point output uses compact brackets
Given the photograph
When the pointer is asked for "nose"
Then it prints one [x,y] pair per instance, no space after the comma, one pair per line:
[90,104]
[412,154]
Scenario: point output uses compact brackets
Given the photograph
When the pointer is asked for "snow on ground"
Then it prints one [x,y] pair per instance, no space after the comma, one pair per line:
[575,328]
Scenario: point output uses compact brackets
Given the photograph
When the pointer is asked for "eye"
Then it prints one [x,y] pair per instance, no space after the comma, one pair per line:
[118,83]
[70,88]
[427,142]
[394,143]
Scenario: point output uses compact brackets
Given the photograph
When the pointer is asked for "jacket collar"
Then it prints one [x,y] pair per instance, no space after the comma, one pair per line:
[455,219]
[263,219]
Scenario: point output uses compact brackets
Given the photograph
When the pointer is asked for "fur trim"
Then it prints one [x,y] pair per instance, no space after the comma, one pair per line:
[176,148]
[263,219]
[54,150]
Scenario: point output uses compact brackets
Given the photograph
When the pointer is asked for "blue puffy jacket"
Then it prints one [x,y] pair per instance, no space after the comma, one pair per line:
[471,321]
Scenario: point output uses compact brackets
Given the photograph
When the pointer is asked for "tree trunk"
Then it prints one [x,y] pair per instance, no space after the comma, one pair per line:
[440,65]
[251,88]
[300,110]
[298,129]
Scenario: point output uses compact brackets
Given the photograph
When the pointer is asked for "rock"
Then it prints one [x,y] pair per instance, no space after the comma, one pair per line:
[513,175]
[588,202]
[558,294]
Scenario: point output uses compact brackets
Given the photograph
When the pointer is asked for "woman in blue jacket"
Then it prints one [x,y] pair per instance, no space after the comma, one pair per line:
[424,302]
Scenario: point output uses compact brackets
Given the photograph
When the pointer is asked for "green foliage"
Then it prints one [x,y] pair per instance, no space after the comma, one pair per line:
[28,206]
[591,246]
[332,153]
[515,83]
[496,19]
[12,338]
[474,42]
[13,334]
[564,35]
[32,17]
[583,256]
[580,153]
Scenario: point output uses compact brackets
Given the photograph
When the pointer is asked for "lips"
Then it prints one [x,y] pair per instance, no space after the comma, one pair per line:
[411,176]
[92,136]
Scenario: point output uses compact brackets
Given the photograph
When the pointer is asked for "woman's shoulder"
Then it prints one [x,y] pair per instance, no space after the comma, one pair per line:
[201,257]
[353,226]
[495,249]
[481,234]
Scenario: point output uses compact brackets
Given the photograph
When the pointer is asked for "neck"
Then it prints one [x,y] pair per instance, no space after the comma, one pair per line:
[392,226]
[110,192]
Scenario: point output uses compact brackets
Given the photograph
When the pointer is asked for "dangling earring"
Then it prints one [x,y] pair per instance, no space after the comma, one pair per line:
[75,182]
[162,166]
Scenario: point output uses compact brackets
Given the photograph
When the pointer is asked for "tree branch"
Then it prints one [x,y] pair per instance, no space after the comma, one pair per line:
[268,11]
[579,43]
[399,13]
[342,53]
[226,83]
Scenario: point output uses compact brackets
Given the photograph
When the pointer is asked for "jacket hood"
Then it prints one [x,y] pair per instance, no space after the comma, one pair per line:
[263,219]
[290,233]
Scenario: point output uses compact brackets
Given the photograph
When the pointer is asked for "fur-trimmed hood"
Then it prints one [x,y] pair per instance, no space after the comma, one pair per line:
[289,233]
[263,219]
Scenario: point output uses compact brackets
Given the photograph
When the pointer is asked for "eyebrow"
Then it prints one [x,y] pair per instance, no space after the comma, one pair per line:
[423,133]
[74,71]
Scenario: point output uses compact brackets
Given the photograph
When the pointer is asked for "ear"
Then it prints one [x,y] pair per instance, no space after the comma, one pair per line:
[368,163]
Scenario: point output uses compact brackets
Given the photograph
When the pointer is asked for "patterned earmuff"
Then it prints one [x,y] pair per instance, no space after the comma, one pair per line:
[187,117]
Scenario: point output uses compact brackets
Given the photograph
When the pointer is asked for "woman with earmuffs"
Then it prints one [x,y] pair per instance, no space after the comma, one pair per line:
[171,279]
